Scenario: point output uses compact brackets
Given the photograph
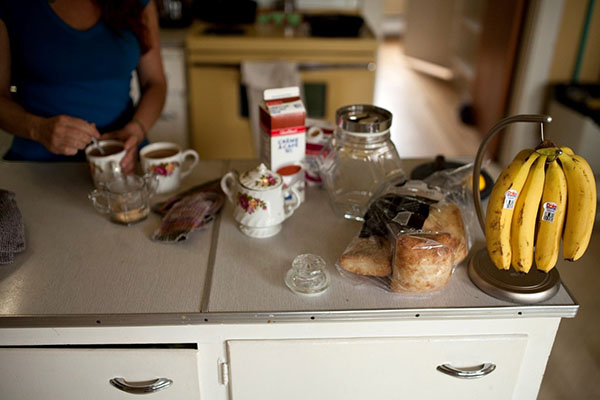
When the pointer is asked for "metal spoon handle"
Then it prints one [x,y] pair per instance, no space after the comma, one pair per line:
[100,149]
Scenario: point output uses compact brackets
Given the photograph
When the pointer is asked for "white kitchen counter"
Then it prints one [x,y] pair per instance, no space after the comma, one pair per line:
[79,269]
[90,301]
[77,262]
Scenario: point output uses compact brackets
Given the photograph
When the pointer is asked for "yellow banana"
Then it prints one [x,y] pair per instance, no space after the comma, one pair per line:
[549,151]
[581,205]
[567,150]
[522,232]
[500,208]
[551,218]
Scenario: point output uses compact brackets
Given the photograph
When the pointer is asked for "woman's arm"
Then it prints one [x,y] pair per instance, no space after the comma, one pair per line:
[61,134]
[153,85]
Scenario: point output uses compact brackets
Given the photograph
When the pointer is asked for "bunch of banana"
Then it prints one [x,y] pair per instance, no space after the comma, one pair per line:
[542,196]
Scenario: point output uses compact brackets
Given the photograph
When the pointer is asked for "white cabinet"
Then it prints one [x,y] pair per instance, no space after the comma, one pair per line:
[75,374]
[375,368]
[347,360]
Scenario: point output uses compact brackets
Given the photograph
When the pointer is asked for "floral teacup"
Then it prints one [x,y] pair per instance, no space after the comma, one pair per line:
[104,165]
[165,160]
[258,199]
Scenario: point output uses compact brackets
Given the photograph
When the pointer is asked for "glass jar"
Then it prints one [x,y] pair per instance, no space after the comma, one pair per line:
[358,159]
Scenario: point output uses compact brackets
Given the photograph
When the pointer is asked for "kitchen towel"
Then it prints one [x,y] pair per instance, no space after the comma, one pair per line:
[260,75]
[12,229]
[188,211]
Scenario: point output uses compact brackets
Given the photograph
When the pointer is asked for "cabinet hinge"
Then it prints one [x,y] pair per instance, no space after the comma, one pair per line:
[224,372]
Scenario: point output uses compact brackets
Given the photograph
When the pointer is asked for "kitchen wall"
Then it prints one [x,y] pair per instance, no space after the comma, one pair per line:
[315,4]
[371,10]
[551,36]
[568,40]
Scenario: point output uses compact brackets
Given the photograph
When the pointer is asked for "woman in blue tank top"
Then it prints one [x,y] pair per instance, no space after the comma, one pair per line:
[65,73]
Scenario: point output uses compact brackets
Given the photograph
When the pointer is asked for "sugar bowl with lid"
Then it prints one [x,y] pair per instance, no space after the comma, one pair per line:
[258,199]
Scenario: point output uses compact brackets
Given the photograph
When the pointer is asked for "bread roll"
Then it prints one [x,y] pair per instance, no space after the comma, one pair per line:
[368,256]
[422,262]
[446,217]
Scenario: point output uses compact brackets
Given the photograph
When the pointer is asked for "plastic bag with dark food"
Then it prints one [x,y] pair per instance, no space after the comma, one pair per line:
[406,212]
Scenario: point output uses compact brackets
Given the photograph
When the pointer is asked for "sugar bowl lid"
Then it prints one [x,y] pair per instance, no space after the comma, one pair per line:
[363,118]
[260,178]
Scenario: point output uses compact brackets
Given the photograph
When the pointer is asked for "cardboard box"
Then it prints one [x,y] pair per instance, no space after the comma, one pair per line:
[283,132]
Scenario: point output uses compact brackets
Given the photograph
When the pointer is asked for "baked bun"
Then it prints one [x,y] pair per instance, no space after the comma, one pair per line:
[422,262]
[368,256]
[446,217]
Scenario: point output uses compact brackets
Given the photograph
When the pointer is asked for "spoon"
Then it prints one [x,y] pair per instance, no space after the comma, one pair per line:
[100,149]
[95,141]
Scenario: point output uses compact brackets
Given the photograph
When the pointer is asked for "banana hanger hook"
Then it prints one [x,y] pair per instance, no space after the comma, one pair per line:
[536,118]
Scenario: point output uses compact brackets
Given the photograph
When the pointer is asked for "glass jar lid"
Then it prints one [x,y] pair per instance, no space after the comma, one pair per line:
[260,178]
[363,118]
[308,275]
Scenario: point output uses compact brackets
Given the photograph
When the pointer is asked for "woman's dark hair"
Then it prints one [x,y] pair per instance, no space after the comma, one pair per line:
[121,15]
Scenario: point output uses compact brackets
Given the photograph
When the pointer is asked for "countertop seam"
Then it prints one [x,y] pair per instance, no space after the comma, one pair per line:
[212,254]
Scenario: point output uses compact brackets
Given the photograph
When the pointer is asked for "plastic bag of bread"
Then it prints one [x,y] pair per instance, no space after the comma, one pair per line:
[412,237]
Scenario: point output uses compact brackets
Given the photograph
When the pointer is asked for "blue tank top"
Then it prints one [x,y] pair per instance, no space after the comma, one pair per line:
[57,69]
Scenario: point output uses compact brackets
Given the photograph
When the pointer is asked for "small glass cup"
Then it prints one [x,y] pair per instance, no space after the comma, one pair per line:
[126,198]
[308,275]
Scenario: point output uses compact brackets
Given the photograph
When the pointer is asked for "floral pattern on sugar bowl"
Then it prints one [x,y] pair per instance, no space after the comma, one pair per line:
[267,180]
[164,169]
[250,204]
[258,199]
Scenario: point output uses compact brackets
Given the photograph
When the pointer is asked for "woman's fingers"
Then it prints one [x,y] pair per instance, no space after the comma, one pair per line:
[130,143]
[82,126]
[64,134]
[128,162]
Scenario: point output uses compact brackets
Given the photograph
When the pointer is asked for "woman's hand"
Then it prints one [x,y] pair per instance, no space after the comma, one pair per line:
[131,135]
[64,134]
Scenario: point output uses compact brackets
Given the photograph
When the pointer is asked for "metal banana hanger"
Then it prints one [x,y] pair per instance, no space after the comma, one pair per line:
[509,285]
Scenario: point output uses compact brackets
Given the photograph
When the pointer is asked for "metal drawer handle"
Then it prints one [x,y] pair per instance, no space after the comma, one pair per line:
[467,373]
[141,387]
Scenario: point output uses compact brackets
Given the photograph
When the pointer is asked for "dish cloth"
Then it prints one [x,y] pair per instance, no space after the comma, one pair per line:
[12,229]
[188,211]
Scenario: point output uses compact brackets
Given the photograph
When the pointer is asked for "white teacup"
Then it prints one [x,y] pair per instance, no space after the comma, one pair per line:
[104,167]
[293,176]
[165,160]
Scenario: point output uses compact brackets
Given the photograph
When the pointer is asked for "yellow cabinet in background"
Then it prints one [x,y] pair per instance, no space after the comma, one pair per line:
[342,70]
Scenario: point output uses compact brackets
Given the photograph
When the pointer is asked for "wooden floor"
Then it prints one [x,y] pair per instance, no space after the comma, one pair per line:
[573,370]
[425,118]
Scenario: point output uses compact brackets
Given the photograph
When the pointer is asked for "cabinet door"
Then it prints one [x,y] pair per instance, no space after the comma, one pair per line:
[217,128]
[374,368]
[343,86]
[65,374]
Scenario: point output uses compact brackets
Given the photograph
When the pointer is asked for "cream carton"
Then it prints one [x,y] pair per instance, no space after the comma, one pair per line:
[283,133]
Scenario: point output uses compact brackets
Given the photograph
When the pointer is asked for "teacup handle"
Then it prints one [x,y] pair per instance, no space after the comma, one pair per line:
[289,208]
[228,184]
[96,196]
[189,153]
